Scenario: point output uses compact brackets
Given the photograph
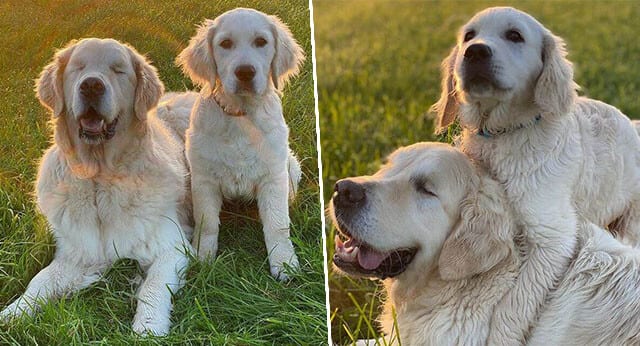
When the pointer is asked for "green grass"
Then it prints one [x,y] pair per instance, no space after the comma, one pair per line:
[378,73]
[231,301]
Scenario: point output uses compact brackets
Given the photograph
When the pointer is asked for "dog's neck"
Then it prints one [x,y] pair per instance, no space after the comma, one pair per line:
[91,161]
[491,119]
[237,105]
[417,304]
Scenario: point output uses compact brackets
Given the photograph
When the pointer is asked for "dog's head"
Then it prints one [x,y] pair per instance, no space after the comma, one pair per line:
[427,207]
[100,86]
[244,51]
[505,58]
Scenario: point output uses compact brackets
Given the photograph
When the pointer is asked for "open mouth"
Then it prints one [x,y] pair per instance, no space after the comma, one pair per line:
[94,128]
[354,256]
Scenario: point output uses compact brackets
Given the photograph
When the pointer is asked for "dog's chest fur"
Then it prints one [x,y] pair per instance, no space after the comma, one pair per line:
[237,154]
[113,216]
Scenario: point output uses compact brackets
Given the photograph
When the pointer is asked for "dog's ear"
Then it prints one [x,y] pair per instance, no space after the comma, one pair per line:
[482,238]
[555,89]
[446,108]
[49,86]
[149,88]
[197,60]
[288,55]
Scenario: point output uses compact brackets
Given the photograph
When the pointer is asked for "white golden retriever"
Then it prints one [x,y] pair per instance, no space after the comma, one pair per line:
[443,234]
[113,183]
[558,155]
[237,141]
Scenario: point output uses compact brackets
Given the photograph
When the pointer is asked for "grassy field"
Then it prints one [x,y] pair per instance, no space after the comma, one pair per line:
[378,73]
[231,301]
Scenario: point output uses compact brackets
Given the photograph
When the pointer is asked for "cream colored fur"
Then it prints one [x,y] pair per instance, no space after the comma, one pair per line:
[122,198]
[470,257]
[245,156]
[580,158]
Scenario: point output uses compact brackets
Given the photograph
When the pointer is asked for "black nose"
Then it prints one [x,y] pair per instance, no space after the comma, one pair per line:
[478,52]
[245,73]
[92,88]
[348,193]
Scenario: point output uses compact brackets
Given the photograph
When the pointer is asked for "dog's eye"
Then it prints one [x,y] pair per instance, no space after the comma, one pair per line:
[118,70]
[421,188]
[469,35]
[226,44]
[260,42]
[514,36]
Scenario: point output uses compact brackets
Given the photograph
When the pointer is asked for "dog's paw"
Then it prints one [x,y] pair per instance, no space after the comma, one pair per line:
[151,326]
[278,268]
[14,310]
[207,247]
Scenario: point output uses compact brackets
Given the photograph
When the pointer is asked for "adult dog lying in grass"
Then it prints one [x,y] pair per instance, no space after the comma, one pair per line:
[237,143]
[558,156]
[113,184]
[443,236]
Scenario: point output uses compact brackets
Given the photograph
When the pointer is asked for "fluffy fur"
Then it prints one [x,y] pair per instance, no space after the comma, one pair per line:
[110,198]
[430,196]
[559,156]
[237,141]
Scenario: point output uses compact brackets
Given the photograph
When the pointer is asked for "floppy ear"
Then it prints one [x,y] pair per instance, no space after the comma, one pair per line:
[447,106]
[197,59]
[555,89]
[288,56]
[149,88]
[482,238]
[49,86]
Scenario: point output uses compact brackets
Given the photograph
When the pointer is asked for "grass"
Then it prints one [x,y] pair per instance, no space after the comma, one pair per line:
[231,301]
[378,73]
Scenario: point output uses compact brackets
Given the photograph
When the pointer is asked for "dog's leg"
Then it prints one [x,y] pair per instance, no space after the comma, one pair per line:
[295,173]
[274,213]
[551,240]
[164,277]
[60,277]
[207,204]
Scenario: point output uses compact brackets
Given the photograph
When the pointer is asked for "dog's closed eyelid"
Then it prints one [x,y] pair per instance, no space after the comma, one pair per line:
[469,35]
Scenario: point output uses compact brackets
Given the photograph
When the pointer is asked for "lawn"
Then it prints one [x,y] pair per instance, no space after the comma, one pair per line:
[378,73]
[233,300]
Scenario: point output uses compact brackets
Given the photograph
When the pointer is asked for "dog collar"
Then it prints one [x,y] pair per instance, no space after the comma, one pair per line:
[226,109]
[488,134]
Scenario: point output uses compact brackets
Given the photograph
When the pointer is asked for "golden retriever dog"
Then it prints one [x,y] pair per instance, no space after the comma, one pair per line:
[237,141]
[559,156]
[443,235]
[113,184]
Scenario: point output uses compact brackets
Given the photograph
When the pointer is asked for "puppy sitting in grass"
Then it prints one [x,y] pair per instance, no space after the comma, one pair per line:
[237,141]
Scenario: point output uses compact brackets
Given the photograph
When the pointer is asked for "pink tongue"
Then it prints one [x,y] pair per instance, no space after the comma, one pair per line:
[92,124]
[370,259]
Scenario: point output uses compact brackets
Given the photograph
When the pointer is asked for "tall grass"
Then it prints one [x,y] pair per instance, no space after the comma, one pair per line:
[378,73]
[231,301]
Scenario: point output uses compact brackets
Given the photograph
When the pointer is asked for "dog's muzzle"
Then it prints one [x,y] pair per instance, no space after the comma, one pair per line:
[354,256]
[94,129]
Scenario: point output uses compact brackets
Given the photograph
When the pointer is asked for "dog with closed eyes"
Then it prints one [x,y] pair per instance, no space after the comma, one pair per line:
[559,156]
[442,234]
[237,140]
[113,184]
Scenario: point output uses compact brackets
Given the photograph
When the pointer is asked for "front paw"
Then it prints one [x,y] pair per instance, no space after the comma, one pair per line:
[279,262]
[206,246]
[145,326]
[13,311]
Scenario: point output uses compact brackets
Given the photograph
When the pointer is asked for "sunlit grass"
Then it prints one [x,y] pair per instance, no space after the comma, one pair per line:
[231,301]
[378,73]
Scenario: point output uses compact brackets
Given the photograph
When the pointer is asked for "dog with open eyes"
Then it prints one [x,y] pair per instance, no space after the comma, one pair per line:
[113,184]
[559,156]
[442,234]
[237,140]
